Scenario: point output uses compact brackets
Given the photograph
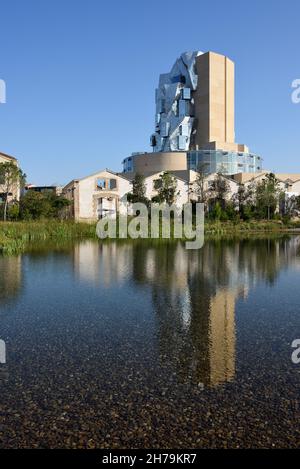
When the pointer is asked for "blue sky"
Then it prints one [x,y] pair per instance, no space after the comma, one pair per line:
[81,76]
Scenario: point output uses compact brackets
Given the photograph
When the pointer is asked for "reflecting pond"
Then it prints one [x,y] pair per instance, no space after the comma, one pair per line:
[128,345]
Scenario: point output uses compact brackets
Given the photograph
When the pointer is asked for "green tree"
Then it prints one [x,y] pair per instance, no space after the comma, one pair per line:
[11,178]
[138,193]
[13,211]
[245,201]
[290,206]
[217,212]
[267,196]
[200,189]
[219,189]
[166,187]
[231,212]
[297,203]
[36,205]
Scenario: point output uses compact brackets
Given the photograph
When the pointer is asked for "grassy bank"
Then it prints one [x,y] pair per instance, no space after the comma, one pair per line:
[15,237]
[254,226]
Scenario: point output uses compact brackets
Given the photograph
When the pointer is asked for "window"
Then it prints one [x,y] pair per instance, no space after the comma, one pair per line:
[100,183]
[112,184]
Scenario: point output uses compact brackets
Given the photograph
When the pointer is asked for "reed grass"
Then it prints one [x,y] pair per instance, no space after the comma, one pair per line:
[16,237]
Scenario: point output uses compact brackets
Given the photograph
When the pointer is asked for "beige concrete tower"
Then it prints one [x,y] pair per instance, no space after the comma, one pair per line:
[214,103]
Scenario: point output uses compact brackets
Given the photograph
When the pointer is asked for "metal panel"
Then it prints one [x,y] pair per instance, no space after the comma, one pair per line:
[173,104]
[164,129]
[186,93]
[182,141]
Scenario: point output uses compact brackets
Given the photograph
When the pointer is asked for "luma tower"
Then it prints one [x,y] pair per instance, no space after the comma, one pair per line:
[194,120]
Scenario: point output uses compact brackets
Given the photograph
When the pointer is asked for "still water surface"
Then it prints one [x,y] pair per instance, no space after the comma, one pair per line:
[133,345]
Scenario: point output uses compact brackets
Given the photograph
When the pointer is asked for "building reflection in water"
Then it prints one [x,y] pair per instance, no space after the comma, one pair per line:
[194,308]
[10,277]
[103,264]
[10,288]
[194,293]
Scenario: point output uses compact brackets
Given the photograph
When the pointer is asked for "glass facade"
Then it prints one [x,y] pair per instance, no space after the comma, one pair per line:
[227,162]
[127,165]
[213,161]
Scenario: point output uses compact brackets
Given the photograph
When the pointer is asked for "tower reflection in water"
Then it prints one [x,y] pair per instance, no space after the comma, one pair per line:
[195,311]
[194,294]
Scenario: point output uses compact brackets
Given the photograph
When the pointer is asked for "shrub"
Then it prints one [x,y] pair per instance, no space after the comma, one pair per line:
[36,205]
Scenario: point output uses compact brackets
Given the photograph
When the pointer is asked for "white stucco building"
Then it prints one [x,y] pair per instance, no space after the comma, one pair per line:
[102,193]
[105,193]
[15,190]
[182,188]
